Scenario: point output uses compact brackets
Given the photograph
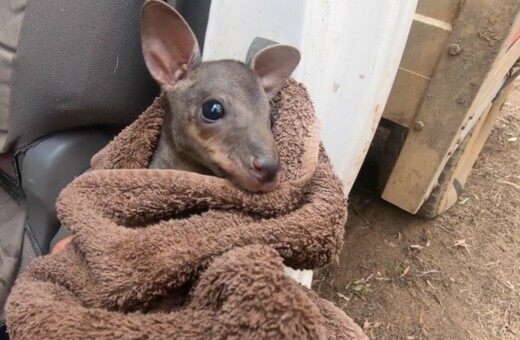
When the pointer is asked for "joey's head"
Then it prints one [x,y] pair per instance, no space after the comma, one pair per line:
[219,115]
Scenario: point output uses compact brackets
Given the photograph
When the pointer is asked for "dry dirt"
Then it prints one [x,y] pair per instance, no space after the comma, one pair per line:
[454,277]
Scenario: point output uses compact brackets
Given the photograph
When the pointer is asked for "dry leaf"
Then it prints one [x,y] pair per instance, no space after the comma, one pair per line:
[462,243]
[378,324]
[406,270]
[368,326]
[390,244]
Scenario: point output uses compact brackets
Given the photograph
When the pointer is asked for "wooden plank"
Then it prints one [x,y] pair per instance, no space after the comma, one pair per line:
[405,98]
[481,29]
[424,47]
[444,10]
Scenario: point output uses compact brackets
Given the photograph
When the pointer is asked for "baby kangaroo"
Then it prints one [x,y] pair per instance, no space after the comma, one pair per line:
[218,120]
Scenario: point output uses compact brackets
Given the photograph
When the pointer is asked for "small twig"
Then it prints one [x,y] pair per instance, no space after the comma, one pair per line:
[445,229]
[368,278]
[510,286]
[378,288]
[505,318]
[438,300]
[358,295]
[430,284]
[381,278]
[427,272]
[510,184]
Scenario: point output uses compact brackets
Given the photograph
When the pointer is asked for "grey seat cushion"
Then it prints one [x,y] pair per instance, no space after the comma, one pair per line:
[11,17]
[79,63]
[12,221]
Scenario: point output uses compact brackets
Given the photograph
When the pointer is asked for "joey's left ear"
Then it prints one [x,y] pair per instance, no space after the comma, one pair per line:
[273,65]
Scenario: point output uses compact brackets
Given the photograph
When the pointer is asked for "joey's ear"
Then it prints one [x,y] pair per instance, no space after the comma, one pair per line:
[273,65]
[169,45]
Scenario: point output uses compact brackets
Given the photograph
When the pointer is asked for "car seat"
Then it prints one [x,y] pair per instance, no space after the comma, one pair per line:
[71,76]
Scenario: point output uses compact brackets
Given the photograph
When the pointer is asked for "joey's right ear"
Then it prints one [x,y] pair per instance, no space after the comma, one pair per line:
[169,45]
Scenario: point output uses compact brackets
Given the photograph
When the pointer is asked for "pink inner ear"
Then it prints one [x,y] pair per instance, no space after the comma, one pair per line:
[274,65]
[169,45]
[270,84]
[158,69]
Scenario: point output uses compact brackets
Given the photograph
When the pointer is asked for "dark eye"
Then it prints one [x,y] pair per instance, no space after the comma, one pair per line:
[213,111]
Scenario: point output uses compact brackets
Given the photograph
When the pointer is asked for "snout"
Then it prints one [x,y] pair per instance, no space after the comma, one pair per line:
[265,170]
[253,163]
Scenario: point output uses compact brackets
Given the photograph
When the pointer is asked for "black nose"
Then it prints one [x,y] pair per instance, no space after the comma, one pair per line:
[266,168]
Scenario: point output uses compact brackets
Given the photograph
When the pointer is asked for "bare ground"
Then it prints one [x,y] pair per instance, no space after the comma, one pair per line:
[455,277]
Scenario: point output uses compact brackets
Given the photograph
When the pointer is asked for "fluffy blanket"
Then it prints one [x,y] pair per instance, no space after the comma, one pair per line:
[166,254]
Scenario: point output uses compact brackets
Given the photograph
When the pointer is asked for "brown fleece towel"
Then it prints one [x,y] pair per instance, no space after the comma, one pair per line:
[161,254]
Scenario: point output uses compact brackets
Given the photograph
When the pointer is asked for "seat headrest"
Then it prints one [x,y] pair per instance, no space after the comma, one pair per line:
[79,63]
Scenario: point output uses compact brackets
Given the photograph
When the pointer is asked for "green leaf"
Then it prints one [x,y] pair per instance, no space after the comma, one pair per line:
[357,288]
[464,201]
